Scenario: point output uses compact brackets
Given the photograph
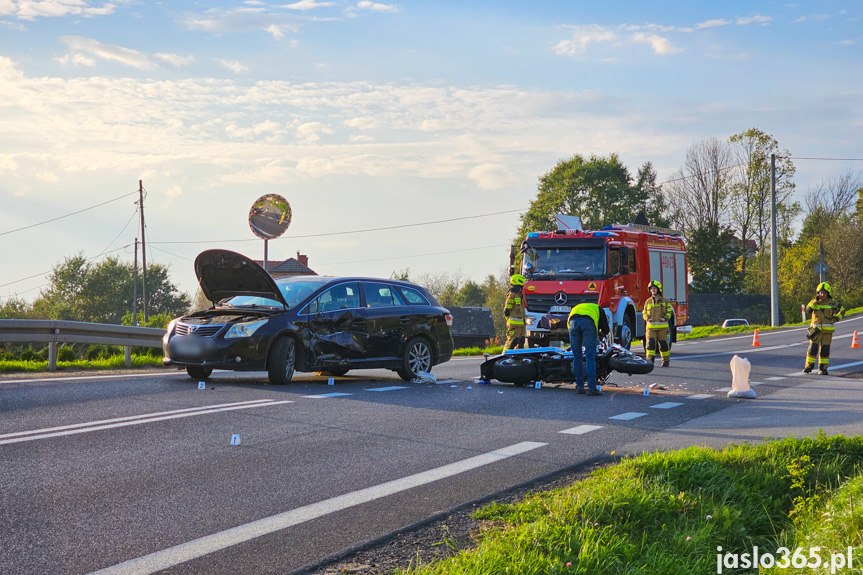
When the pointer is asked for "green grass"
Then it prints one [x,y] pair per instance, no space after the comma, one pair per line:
[660,513]
[115,362]
[493,350]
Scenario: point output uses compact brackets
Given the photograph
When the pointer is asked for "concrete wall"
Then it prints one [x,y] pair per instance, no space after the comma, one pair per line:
[713,309]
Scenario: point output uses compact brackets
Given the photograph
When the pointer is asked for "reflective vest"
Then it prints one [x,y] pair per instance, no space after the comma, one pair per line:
[825,313]
[515,305]
[590,310]
[656,312]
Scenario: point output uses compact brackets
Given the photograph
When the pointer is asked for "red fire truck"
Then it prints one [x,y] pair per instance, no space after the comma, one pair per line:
[610,267]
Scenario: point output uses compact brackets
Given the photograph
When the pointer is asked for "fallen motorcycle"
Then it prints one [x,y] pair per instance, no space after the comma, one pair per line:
[554,364]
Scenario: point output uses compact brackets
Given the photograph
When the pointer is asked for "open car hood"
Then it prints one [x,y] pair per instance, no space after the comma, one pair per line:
[222,274]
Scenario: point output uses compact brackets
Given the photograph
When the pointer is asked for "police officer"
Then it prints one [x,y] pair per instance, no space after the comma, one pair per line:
[515,314]
[825,312]
[586,322]
[656,312]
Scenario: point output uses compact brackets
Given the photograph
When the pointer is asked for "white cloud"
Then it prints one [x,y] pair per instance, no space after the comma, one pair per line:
[175,59]
[712,23]
[376,6]
[306,5]
[661,46]
[310,131]
[77,59]
[582,37]
[32,9]
[361,123]
[233,66]
[275,31]
[847,42]
[126,56]
[757,19]
[489,176]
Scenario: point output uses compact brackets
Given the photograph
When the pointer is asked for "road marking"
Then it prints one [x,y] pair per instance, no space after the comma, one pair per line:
[844,365]
[722,390]
[700,396]
[74,429]
[448,381]
[326,395]
[756,383]
[391,388]
[581,429]
[627,416]
[76,378]
[173,556]
[774,378]
[666,405]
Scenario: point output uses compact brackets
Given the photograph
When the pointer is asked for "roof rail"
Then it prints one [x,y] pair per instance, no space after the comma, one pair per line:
[642,227]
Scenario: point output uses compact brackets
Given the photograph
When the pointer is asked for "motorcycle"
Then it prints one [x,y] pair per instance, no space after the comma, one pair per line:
[554,364]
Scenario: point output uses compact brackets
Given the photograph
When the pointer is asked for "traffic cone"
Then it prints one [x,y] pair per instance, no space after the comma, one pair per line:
[854,342]
[755,342]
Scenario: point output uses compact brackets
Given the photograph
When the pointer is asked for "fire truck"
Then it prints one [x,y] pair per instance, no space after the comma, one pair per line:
[610,267]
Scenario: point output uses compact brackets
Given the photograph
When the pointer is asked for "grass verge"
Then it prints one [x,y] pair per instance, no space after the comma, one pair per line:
[664,513]
[115,362]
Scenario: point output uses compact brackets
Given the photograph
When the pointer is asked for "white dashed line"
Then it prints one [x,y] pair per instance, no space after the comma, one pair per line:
[326,395]
[581,429]
[753,383]
[700,396]
[391,388]
[666,405]
[722,390]
[773,378]
[448,380]
[627,416]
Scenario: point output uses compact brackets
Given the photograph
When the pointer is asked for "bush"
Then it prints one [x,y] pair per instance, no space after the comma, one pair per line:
[66,354]
[27,354]
[101,351]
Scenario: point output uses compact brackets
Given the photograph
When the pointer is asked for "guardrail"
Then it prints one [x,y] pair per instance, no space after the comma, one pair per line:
[55,332]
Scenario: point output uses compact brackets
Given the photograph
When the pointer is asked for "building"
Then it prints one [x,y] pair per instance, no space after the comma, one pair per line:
[298,266]
[471,326]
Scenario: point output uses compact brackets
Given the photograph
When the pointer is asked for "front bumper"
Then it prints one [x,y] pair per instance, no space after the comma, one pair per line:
[241,354]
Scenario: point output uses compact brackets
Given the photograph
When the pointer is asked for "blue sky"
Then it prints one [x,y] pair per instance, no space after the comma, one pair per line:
[369,114]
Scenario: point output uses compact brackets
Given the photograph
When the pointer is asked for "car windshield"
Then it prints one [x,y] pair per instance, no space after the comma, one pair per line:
[294,290]
[570,263]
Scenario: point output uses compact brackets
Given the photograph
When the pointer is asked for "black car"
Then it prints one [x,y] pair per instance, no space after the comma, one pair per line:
[306,323]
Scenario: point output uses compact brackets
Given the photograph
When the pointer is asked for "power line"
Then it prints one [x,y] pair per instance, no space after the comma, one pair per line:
[824,159]
[346,232]
[67,215]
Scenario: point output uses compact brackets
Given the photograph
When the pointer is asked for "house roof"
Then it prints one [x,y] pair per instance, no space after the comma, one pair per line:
[288,267]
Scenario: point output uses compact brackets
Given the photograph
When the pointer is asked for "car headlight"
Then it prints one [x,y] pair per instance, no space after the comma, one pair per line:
[244,329]
[169,330]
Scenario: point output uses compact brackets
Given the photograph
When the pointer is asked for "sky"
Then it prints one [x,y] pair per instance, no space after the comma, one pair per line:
[368,115]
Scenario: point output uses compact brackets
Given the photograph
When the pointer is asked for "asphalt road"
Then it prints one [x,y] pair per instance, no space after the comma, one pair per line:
[139,475]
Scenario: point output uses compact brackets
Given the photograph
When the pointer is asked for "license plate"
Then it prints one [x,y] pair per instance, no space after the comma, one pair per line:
[559,309]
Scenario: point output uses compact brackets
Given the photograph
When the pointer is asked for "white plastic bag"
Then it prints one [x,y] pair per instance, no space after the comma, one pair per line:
[424,377]
[740,368]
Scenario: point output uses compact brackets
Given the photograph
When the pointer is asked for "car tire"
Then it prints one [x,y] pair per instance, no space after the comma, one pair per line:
[417,357]
[516,370]
[282,360]
[630,363]
[199,373]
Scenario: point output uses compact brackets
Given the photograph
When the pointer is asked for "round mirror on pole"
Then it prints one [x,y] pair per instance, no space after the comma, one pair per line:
[269,217]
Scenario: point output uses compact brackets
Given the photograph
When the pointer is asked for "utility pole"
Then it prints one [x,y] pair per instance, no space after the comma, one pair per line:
[135,288]
[774,251]
[143,251]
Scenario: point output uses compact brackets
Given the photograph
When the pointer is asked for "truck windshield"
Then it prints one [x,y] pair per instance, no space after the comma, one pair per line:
[564,263]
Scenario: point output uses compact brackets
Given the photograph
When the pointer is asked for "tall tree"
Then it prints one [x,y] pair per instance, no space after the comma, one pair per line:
[829,201]
[654,206]
[598,189]
[698,194]
[751,189]
[712,258]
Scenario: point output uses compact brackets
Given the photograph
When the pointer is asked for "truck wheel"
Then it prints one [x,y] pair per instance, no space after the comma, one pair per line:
[282,360]
[625,339]
[517,370]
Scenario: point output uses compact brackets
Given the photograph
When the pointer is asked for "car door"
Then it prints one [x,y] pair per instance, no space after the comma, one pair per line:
[337,326]
[387,315]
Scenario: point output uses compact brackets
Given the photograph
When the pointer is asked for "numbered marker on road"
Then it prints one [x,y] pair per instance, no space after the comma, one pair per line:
[646,391]
[235,439]
[538,385]
[331,381]
[202,385]
[598,388]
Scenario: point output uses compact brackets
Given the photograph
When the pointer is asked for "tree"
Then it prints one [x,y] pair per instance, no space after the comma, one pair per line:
[654,206]
[698,194]
[751,191]
[103,292]
[829,201]
[598,190]
[713,260]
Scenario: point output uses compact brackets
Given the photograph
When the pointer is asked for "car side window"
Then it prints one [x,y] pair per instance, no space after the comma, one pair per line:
[413,297]
[380,295]
[342,296]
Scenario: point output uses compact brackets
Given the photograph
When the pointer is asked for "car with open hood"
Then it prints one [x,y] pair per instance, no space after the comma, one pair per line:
[305,323]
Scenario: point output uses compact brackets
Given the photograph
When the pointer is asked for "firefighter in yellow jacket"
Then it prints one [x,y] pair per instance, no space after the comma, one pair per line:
[825,312]
[657,310]
[515,314]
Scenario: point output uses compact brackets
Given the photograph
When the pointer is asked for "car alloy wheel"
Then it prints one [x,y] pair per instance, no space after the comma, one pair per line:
[417,358]
[282,360]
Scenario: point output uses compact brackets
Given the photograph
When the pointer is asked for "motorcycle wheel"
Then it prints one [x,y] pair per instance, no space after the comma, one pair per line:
[517,370]
[630,364]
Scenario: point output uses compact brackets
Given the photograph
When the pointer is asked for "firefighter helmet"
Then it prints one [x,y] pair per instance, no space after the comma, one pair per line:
[826,287]
[655,283]
[517,280]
